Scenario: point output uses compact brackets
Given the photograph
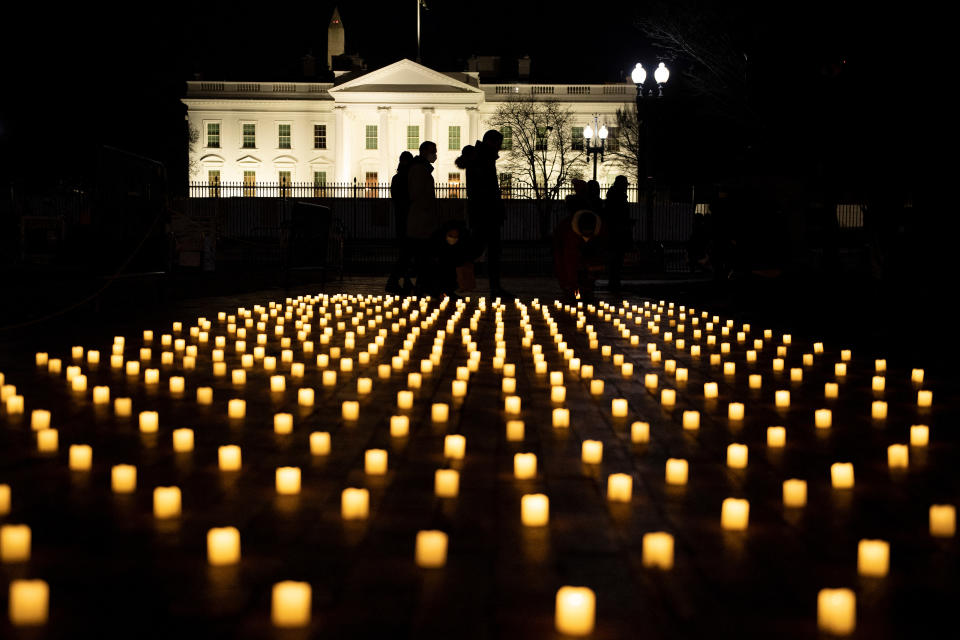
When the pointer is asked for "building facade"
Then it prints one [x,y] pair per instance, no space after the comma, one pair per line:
[255,133]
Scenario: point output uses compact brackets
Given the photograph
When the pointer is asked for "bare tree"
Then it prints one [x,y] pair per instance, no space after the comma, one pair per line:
[193,137]
[626,155]
[541,154]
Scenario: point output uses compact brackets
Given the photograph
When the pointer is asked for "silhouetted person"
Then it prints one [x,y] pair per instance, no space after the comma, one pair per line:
[593,196]
[578,199]
[578,252]
[447,248]
[616,218]
[400,197]
[485,208]
[423,218]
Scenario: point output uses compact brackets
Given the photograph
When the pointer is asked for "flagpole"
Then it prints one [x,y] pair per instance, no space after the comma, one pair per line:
[418,32]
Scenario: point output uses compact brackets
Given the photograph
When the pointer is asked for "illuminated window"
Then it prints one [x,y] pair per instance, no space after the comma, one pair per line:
[506,185]
[213,135]
[413,137]
[213,179]
[249,136]
[540,144]
[453,184]
[507,133]
[319,136]
[249,184]
[283,136]
[319,184]
[576,138]
[371,136]
[285,182]
[613,139]
[372,183]
[454,137]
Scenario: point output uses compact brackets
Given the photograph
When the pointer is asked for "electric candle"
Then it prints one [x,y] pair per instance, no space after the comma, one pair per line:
[278,384]
[596,387]
[534,510]
[229,458]
[182,440]
[297,369]
[695,350]
[29,602]
[681,374]
[651,380]
[735,514]
[446,483]
[80,457]
[924,398]
[898,456]
[919,435]
[5,499]
[737,456]
[54,365]
[123,407]
[840,369]
[879,383]
[626,370]
[440,412]
[511,405]
[619,487]
[431,549]
[383,371]
[880,365]
[525,466]
[618,360]
[149,421]
[76,352]
[710,390]
[116,361]
[691,420]
[729,368]
[823,418]
[290,604]
[123,478]
[329,378]
[42,358]
[166,502]
[841,475]
[47,442]
[776,436]
[39,419]
[508,385]
[677,471]
[14,543]
[794,493]
[943,520]
[735,411]
[916,376]
[831,390]
[305,397]
[575,611]
[778,364]
[288,480]
[878,410]
[618,407]
[319,443]
[873,558]
[782,398]
[79,383]
[558,393]
[837,611]
[223,546]
[561,417]
[236,408]
[405,399]
[668,397]
[350,410]
[591,451]
[515,429]
[658,550]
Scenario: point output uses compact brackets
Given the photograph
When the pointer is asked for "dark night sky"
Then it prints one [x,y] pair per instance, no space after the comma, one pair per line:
[90,78]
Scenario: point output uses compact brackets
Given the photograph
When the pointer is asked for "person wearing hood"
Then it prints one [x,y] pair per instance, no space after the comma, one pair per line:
[400,198]
[423,218]
[616,217]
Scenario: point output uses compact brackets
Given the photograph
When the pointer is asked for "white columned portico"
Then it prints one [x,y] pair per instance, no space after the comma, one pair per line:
[428,122]
[343,146]
[473,117]
[384,143]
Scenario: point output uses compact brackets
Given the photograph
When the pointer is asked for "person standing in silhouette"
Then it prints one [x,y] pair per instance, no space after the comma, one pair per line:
[616,218]
[485,208]
[423,218]
[400,197]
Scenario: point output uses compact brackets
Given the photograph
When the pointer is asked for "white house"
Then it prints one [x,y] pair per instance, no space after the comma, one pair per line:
[356,127]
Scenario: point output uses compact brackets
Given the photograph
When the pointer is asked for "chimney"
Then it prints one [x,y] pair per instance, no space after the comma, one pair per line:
[523,68]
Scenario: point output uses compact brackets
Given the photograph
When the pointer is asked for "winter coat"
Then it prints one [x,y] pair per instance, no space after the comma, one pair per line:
[400,196]
[571,254]
[424,214]
[485,207]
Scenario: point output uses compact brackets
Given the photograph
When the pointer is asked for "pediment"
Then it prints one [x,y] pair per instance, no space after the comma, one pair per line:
[212,158]
[320,160]
[284,160]
[404,76]
[248,160]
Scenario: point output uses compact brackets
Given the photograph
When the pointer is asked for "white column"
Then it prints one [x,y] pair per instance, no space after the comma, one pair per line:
[342,171]
[428,121]
[384,143]
[473,115]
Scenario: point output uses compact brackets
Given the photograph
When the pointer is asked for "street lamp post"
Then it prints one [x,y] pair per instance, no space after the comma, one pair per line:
[589,147]
[644,147]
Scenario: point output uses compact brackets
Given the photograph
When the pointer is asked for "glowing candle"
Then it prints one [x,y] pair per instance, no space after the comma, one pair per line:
[116,361]
[924,398]
[329,378]
[735,514]
[149,421]
[405,399]
[845,355]
[561,417]
[776,436]
[305,397]
[794,493]
[831,390]
[5,499]
[898,456]
[278,383]
[919,435]
[651,380]
[916,376]
[737,456]
[586,371]
[54,365]
[229,458]
[39,419]
[515,429]
[350,410]
[151,376]
[81,457]
[446,483]
[288,480]
[182,440]
[440,412]
[710,390]
[525,466]
[619,487]
[383,371]
[841,475]
[558,393]
[166,502]
[695,350]
[658,550]
[42,358]
[511,405]
[47,442]
[681,374]
[640,432]
[431,549]
[878,410]
[626,370]
[29,602]
[943,520]
[840,369]
[729,368]
[596,387]
[236,408]
[823,418]
[14,543]
[575,611]
[297,369]
[591,451]
[534,510]
[76,352]
[123,407]
[691,420]
[618,407]
[269,363]
[735,411]
[782,398]
[778,364]
[873,558]
[290,603]
[454,447]
[677,471]
[79,383]
[223,546]
[618,360]
[668,397]
[837,611]
[354,504]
